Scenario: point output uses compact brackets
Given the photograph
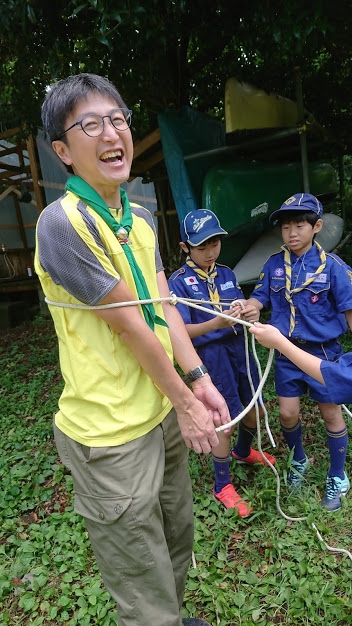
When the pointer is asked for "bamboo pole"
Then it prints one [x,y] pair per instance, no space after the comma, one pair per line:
[35,173]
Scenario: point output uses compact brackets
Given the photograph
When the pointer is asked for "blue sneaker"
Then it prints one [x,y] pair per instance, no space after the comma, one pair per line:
[335,488]
[295,476]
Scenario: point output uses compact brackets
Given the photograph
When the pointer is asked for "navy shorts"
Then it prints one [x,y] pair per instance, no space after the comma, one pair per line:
[291,382]
[226,363]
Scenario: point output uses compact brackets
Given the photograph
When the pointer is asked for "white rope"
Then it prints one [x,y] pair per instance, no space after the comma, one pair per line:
[254,399]
[330,548]
[266,419]
[261,401]
[344,407]
[194,304]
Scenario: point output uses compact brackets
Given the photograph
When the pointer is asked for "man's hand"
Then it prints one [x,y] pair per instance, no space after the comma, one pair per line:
[212,399]
[197,426]
[198,421]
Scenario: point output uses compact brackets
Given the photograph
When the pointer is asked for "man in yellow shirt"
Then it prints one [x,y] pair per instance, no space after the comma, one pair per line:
[126,418]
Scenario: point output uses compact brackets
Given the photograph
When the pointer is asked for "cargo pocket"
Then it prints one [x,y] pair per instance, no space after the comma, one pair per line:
[112,522]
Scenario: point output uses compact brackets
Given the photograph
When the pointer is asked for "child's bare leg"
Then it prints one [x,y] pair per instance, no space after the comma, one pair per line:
[332,416]
[223,449]
[289,411]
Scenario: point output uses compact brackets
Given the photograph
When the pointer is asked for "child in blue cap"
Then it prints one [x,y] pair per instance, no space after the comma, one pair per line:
[219,343]
[309,294]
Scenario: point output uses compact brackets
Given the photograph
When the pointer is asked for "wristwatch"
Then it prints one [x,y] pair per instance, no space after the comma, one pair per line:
[198,372]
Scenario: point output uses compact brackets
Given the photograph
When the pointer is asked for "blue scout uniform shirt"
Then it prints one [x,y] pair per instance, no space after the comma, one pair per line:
[319,307]
[338,378]
[186,284]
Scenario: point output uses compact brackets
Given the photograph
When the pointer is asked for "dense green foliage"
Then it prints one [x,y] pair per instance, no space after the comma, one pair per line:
[262,571]
[167,53]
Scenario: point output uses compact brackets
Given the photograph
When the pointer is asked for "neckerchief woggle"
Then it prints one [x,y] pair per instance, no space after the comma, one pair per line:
[85,192]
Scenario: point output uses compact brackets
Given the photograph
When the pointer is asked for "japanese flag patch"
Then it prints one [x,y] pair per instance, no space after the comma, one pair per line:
[191,280]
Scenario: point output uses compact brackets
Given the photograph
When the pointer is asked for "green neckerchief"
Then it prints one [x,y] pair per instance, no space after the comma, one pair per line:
[83,190]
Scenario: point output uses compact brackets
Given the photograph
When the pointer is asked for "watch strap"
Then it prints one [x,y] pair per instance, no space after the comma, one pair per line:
[198,372]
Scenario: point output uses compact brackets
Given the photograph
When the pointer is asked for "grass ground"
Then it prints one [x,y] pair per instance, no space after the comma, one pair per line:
[265,570]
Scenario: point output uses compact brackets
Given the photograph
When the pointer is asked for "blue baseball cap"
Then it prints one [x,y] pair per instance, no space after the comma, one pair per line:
[299,202]
[200,225]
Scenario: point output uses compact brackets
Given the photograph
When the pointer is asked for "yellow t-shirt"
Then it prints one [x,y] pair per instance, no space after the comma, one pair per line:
[108,399]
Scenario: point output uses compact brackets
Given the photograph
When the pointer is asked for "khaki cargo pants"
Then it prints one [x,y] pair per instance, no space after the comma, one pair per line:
[136,500]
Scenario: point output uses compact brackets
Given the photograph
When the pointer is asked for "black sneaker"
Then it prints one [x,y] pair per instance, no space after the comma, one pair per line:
[194,621]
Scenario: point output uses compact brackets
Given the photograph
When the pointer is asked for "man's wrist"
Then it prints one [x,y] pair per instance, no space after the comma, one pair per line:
[198,372]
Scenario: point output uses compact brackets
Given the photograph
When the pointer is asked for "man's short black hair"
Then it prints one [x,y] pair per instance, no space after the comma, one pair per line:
[64,95]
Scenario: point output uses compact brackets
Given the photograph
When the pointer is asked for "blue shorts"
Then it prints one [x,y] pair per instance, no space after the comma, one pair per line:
[226,363]
[291,382]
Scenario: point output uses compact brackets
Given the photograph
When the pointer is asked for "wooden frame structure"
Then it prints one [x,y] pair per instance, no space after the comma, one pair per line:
[21,174]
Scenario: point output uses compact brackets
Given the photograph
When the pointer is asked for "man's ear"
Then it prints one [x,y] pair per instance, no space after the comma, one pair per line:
[183,247]
[62,150]
[318,225]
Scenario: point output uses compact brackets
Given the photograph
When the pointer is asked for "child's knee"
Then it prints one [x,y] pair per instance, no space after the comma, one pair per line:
[288,419]
[289,411]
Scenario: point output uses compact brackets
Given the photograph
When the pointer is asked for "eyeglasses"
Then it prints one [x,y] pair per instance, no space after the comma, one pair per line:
[93,125]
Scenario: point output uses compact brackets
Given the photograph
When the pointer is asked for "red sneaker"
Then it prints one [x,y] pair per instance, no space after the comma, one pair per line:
[254,458]
[232,500]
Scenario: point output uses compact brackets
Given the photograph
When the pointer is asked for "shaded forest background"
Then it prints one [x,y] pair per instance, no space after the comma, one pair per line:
[166,54]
